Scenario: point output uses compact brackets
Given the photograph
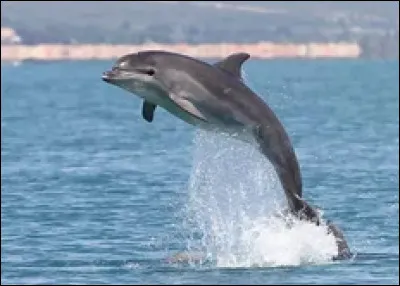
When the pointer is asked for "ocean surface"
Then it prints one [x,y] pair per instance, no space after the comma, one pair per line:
[92,193]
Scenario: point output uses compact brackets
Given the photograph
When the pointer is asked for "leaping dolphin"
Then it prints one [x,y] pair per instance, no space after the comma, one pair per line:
[215,97]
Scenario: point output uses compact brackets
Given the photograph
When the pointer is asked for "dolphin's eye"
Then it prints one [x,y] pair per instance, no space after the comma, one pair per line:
[150,72]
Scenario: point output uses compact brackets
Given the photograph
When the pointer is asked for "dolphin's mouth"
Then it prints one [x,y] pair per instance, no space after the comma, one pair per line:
[116,75]
[113,75]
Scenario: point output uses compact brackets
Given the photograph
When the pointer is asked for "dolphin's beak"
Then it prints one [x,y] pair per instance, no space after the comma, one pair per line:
[108,76]
[114,76]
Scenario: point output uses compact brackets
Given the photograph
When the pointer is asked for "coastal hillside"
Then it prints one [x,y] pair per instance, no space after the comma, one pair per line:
[374,25]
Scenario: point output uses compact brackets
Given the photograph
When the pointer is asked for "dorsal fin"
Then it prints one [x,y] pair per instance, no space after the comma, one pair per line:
[233,63]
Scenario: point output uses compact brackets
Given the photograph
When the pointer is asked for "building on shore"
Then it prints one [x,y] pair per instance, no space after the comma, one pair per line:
[9,36]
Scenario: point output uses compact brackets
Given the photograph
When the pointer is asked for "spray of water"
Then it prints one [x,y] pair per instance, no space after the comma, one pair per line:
[235,210]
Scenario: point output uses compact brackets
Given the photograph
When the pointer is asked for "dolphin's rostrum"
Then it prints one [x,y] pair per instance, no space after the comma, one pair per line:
[215,97]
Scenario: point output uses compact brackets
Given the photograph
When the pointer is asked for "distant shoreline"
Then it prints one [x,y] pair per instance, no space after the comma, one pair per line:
[261,50]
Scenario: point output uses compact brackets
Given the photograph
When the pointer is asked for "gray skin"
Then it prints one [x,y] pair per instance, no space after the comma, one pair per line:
[215,97]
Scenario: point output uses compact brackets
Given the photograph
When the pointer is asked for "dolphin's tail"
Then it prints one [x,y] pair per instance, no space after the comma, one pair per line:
[343,248]
[287,168]
[305,211]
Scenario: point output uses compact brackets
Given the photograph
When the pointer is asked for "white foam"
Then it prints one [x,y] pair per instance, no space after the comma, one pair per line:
[235,197]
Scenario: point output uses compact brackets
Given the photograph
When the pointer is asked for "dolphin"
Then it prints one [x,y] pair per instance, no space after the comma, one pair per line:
[215,97]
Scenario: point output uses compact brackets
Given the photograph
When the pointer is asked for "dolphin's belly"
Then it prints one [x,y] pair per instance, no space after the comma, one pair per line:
[215,122]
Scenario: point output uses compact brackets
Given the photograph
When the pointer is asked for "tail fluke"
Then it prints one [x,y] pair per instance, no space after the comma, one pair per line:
[304,211]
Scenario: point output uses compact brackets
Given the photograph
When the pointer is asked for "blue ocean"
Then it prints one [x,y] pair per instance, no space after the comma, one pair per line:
[92,193]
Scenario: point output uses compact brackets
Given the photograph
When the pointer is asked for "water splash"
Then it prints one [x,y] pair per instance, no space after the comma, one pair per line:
[235,210]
